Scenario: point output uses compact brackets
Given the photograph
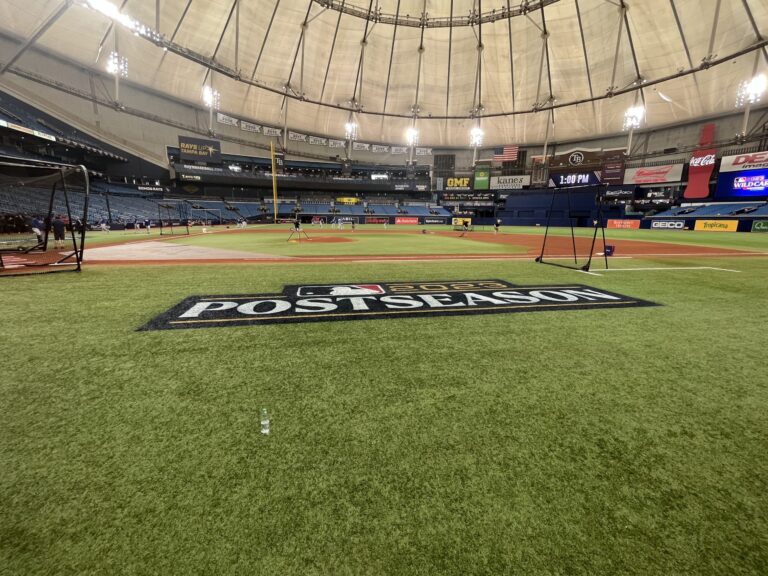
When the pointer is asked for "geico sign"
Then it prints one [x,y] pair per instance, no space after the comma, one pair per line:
[674,225]
[457,183]
[707,160]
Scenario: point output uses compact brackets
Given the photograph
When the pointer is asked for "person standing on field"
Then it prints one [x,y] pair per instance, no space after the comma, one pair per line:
[37,228]
[59,230]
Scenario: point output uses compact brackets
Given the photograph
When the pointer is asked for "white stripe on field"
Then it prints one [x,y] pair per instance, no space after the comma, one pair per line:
[669,268]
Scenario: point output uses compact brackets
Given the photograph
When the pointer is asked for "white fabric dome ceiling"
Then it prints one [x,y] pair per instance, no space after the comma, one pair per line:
[593,47]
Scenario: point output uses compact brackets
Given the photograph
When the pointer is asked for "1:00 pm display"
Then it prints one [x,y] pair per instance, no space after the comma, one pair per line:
[566,179]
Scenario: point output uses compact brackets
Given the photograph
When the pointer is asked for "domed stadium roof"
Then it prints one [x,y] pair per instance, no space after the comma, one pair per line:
[446,62]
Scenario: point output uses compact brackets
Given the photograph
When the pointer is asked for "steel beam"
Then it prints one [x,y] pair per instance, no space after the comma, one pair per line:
[42,29]
[106,33]
[711,48]
[622,10]
[586,62]
[441,22]
[221,38]
[361,59]
[511,58]
[756,30]
[448,72]
[330,54]
[264,42]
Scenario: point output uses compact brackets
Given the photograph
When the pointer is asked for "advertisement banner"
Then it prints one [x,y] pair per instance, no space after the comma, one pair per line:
[376,220]
[454,183]
[199,150]
[406,220]
[317,141]
[624,224]
[482,177]
[279,163]
[742,184]
[510,182]
[380,148]
[335,143]
[250,127]
[583,158]
[224,119]
[431,220]
[613,168]
[467,196]
[296,136]
[699,172]
[399,149]
[348,200]
[360,146]
[461,221]
[619,195]
[654,174]
[269,131]
[25,130]
[717,225]
[754,161]
[668,225]
[760,226]
[423,151]
[573,179]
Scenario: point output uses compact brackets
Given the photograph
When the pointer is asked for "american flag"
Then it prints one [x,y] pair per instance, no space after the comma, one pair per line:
[506,154]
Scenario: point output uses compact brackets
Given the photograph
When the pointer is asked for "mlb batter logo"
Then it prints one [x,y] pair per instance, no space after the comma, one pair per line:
[341,290]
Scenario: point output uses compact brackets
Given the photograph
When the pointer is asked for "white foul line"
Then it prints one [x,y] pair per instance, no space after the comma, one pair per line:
[663,268]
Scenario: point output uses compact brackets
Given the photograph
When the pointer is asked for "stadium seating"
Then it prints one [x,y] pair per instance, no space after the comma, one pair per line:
[713,210]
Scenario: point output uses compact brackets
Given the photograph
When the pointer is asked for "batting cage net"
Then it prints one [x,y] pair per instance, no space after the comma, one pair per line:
[43,216]
[173,216]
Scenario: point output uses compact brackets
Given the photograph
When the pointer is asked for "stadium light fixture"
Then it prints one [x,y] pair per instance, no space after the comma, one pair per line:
[750,92]
[412,136]
[633,117]
[110,10]
[117,65]
[476,136]
[211,98]
[350,130]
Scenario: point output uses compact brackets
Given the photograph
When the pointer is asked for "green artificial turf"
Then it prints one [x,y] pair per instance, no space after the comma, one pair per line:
[627,441]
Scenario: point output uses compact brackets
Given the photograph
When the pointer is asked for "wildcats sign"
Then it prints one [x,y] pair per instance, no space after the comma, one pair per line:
[369,301]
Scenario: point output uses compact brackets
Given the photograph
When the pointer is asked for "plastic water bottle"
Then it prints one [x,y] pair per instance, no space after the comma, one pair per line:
[264,421]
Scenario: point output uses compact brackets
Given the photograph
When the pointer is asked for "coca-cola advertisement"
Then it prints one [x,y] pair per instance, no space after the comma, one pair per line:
[700,169]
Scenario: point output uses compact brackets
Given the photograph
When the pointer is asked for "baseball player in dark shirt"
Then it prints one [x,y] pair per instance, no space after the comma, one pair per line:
[59,229]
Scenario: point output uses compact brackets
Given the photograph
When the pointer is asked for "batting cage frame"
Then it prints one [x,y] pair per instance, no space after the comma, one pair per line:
[38,198]
[598,224]
[173,218]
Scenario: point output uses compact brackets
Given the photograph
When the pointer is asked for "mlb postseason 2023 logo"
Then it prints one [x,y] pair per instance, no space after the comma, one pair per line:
[334,302]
